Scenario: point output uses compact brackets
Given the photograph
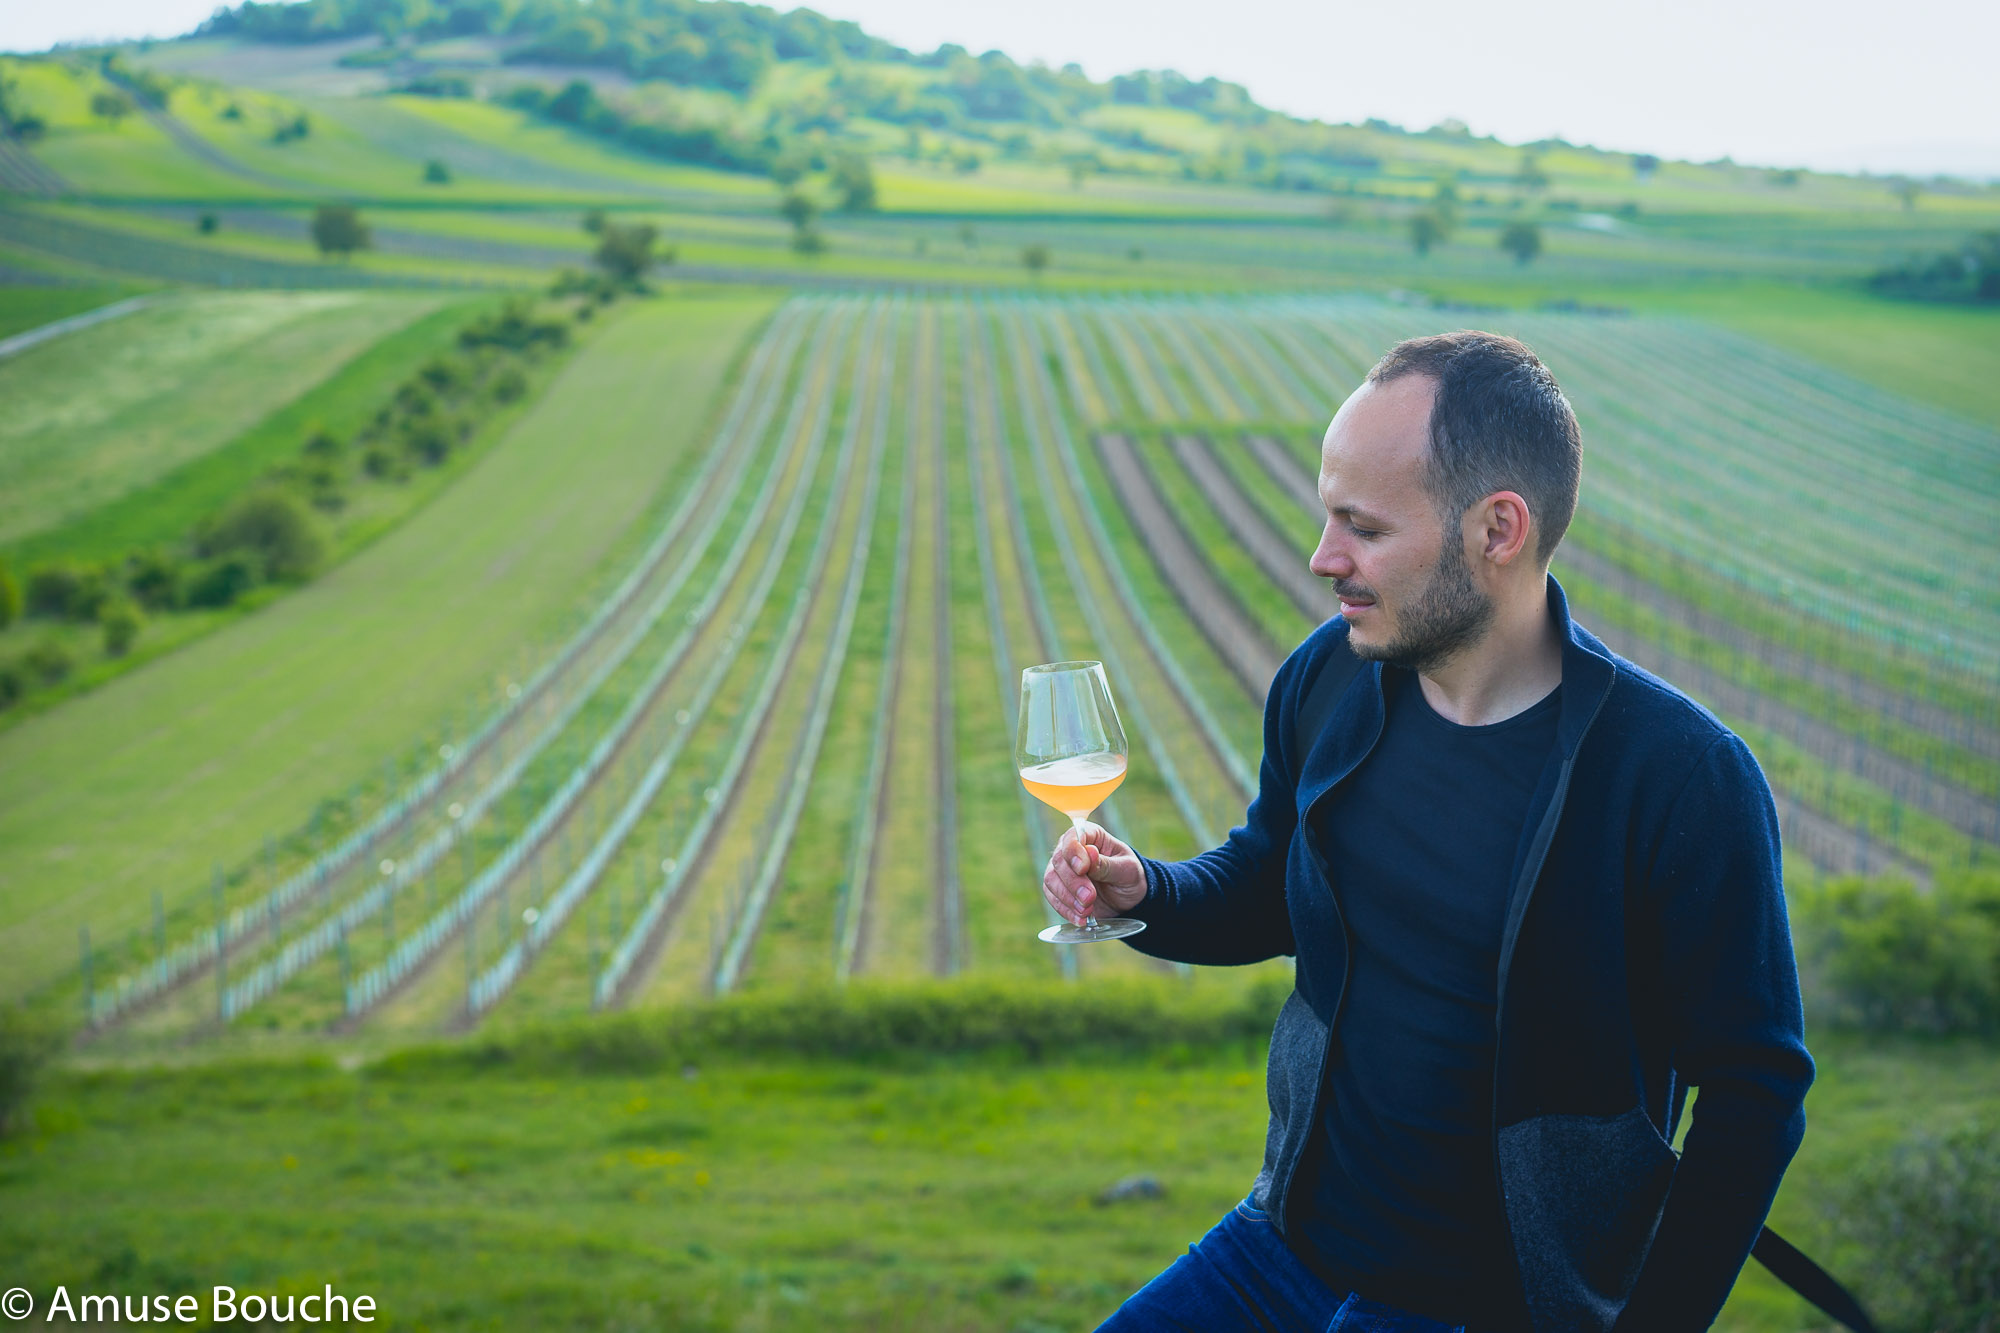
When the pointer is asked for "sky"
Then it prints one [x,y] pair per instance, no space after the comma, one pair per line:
[1833,84]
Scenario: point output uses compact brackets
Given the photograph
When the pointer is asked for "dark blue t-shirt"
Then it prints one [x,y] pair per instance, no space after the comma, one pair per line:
[1402,1201]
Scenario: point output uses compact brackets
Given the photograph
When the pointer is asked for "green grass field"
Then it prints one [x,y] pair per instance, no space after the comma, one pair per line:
[99,414]
[600,1183]
[258,723]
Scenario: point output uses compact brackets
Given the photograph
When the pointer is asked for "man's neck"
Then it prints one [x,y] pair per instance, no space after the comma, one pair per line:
[1513,666]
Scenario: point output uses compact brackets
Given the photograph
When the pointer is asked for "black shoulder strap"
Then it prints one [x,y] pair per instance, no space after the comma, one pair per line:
[1811,1281]
[1341,667]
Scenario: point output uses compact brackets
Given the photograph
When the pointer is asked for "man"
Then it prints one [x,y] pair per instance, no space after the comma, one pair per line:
[1534,896]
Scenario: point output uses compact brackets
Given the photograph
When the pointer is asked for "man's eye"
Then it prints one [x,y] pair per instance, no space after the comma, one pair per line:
[1365,534]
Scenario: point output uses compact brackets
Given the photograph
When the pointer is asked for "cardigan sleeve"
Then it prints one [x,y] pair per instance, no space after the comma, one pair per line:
[1738,1034]
[1227,905]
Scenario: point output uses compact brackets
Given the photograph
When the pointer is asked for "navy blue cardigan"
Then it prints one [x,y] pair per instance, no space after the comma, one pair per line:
[1646,950]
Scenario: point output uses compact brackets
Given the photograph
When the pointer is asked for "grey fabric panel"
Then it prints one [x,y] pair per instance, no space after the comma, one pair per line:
[1291,1081]
[1583,1196]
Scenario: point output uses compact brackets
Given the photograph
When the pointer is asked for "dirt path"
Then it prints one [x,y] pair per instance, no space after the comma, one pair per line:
[1281,562]
[1237,639]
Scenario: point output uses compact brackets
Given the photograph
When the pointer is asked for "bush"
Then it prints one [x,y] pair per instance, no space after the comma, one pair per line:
[516,326]
[509,385]
[48,661]
[10,597]
[54,590]
[271,527]
[444,374]
[379,462]
[428,437]
[13,683]
[625,253]
[153,578]
[337,229]
[1884,955]
[221,582]
[1923,1225]
[27,1044]
[881,1020]
[122,622]
[1523,240]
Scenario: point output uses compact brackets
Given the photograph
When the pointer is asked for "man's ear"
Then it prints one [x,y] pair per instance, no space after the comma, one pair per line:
[1502,526]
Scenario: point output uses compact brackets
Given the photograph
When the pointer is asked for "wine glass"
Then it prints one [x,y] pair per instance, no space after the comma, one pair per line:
[1070,751]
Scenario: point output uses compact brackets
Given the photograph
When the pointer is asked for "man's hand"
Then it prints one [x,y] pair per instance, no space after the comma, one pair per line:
[1091,873]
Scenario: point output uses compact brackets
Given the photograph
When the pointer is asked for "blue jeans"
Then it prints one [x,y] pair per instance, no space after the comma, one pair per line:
[1242,1276]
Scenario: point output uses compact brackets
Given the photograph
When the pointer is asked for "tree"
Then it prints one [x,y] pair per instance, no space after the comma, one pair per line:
[1530,176]
[1523,240]
[799,210]
[625,253]
[436,173]
[337,229]
[1906,190]
[854,182]
[1035,257]
[1644,165]
[206,224]
[1425,231]
[121,621]
[112,105]
[267,527]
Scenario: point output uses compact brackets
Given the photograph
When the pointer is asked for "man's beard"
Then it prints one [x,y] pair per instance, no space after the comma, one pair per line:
[1450,614]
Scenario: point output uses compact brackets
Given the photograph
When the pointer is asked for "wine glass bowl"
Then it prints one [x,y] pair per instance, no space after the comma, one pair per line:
[1070,752]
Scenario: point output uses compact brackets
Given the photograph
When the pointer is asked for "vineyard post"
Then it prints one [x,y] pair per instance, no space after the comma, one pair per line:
[839,927]
[221,957]
[89,980]
[346,973]
[389,908]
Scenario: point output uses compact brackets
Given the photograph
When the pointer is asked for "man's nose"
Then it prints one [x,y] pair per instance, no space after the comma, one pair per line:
[1330,560]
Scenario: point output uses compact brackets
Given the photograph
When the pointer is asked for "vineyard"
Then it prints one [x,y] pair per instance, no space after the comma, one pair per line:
[778,750]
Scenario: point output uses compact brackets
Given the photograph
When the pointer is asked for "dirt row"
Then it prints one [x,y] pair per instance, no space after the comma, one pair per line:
[1237,639]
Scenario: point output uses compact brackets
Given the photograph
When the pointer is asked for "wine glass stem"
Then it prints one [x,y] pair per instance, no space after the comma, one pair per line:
[1076,822]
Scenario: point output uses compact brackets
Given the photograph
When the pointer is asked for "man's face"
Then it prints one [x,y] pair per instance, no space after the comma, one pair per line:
[1404,583]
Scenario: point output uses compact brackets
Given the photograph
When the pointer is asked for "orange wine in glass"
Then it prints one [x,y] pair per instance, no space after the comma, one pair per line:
[1070,751]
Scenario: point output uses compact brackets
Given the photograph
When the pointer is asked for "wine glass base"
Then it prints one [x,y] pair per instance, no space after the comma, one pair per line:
[1109,928]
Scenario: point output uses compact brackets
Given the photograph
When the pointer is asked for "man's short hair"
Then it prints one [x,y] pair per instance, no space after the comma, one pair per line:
[1499,422]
